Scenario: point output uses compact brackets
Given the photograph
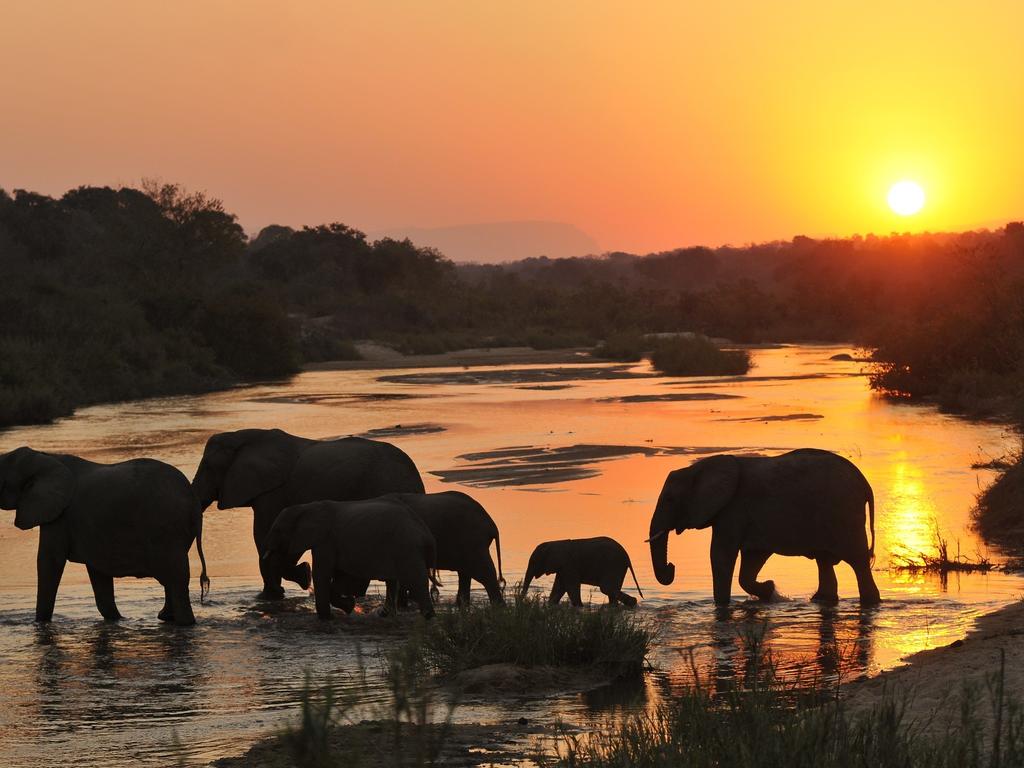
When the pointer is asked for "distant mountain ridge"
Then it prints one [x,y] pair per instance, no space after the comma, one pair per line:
[500,241]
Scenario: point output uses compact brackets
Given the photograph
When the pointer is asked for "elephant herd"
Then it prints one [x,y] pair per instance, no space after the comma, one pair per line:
[360,507]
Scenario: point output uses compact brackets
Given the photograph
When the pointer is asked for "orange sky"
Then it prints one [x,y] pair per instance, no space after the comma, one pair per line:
[677,124]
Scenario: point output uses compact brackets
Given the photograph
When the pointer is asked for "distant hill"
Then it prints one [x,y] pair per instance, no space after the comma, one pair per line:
[500,241]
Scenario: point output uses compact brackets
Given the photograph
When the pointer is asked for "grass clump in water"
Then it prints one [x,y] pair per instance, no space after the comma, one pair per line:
[623,347]
[530,632]
[695,355]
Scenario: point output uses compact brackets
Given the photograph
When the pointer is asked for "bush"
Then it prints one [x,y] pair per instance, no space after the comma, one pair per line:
[697,356]
[624,347]
[531,632]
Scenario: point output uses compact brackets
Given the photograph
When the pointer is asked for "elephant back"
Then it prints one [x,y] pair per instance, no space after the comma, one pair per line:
[351,469]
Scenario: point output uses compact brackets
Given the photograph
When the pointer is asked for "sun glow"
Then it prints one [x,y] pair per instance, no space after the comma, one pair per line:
[906,198]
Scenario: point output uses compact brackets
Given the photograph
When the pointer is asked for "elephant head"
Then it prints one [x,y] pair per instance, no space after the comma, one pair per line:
[295,531]
[239,466]
[35,484]
[546,558]
[690,498]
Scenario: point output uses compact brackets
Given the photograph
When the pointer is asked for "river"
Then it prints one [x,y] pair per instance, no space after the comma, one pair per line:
[552,451]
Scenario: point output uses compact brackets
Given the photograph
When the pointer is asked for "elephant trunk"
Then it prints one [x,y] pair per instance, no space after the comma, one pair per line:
[526,582]
[204,488]
[661,525]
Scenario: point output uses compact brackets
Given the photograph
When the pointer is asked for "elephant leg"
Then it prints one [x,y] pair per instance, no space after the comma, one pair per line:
[723,564]
[486,575]
[751,563]
[322,586]
[49,569]
[627,600]
[574,594]
[866,582]
[465,583]
[167,612]
[557,590]
[103,591]
[421,594]
[261,522]
[181,605]
[828,587]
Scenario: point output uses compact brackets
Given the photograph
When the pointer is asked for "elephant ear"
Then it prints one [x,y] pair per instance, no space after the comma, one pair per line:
[714,486]
[258,466]
[296,531]
[47,488]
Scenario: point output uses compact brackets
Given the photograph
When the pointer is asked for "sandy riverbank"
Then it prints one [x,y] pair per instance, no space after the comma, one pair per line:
[379,356]
[933,682]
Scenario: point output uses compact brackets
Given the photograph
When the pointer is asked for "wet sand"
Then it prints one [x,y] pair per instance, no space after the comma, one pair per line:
[934,681]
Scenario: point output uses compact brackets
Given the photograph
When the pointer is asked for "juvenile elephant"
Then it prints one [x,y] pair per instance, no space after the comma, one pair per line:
[136,518]
[463,531]
[806,502]
[268,470]
[600,561]
[353,542]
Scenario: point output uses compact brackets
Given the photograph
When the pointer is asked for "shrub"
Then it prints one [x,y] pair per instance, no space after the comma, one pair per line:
[694,355]
[624,347]
[531,632]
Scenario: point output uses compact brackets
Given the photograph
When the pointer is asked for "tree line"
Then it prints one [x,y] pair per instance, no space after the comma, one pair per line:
[109,294]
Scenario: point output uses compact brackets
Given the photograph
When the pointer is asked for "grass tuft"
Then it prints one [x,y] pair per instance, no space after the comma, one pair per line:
[530,632]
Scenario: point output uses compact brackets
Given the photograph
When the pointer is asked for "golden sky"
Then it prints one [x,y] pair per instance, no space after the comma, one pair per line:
[649,125]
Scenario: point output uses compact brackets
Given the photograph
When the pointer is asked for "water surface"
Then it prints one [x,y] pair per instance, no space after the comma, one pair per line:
[552,452]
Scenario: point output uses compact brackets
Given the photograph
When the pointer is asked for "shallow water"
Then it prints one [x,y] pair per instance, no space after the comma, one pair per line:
[552,452]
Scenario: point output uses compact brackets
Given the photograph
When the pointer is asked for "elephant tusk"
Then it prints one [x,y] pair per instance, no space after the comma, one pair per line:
[656,536]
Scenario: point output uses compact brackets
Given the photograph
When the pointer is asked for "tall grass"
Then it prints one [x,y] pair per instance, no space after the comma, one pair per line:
[531,632]
[765,726]
[694,355]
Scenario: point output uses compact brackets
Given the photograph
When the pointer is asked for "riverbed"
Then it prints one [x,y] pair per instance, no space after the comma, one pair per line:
[552,450]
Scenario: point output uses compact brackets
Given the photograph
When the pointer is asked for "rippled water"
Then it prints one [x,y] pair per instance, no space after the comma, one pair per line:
[578,451]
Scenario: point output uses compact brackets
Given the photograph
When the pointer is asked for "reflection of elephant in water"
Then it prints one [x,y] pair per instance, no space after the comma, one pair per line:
[600,561]
[353,542]
[463,531]
[806,502]
[269,470]
[136,518]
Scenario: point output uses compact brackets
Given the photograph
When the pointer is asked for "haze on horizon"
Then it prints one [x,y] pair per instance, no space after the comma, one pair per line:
[646,129]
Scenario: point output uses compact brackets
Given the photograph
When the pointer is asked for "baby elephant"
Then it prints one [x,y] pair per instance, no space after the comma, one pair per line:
[352,543]
[600,561]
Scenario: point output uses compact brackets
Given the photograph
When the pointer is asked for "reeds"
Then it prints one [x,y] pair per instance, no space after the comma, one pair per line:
[695,355]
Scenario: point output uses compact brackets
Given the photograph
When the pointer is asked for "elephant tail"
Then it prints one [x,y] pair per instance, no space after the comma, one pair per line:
[635,582]
[204,579]
[432,575]
[871,522]
[497,548]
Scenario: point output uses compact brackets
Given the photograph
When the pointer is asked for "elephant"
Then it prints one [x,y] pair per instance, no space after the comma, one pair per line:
[268,470]
[805,502]
[353,542]
[463,531]
[135,518]
[600,561]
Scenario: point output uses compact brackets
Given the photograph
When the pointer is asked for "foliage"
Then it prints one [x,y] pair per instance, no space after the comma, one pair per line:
[531,632]
[765,723]
[623,347]
[694,355]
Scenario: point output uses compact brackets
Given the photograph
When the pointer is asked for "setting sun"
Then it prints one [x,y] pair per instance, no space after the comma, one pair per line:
[906,198]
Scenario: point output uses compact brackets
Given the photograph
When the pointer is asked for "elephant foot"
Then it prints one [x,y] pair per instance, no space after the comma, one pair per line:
[765,591]
[116,616]
[271,593]
[825,599]
[346,604]
[305,576]
[166,614]
[42,619]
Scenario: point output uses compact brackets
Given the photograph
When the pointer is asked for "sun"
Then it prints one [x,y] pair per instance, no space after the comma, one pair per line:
[906,198]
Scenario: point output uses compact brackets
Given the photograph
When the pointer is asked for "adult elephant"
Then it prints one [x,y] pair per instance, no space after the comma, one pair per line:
[353,542]
[268,470]
[136,518]
[806,502]
[463,531]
